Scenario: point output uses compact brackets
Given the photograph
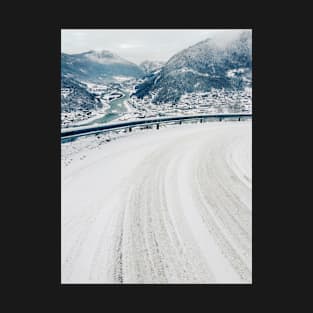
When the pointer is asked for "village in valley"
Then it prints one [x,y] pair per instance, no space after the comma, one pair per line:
[132,108]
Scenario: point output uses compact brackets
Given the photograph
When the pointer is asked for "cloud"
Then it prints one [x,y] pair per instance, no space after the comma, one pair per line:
[130,45]
[138,45]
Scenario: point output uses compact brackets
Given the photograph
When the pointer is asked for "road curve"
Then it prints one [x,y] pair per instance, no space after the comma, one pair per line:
[160,206]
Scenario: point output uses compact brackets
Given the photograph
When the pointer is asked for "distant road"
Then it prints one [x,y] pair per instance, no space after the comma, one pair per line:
[167,206]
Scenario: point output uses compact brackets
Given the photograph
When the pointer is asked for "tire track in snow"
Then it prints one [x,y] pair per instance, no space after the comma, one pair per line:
[153,249]
[227,218]
[146,236]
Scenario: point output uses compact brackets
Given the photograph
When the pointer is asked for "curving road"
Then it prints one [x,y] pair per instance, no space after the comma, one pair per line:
[166,206]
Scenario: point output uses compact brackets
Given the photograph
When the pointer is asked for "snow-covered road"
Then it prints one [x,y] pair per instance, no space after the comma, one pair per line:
[159,206]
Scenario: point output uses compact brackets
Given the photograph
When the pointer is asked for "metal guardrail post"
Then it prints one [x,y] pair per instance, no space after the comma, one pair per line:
[146,124]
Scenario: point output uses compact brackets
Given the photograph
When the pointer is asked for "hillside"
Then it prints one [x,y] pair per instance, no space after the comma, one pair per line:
[98,67]
[200,68]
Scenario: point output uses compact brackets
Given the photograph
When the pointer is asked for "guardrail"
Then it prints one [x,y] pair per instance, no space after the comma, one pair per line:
[89,130]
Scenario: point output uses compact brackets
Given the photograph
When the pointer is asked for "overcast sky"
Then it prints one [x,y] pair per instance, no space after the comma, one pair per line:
[139,45]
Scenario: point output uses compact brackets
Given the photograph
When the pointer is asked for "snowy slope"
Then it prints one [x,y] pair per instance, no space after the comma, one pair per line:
[166,206]
[77,96]
[97,66]
[151,66]
[201,67]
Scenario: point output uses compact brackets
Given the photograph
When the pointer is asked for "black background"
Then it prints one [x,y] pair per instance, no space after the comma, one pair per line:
[33,236]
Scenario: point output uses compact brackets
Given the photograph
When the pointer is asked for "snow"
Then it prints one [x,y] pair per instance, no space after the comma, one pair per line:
[234,72]
[106,57]
[128,106]
[121,78]
[157,79]
[186,69]
[158,206]
[65,92]
[85,121]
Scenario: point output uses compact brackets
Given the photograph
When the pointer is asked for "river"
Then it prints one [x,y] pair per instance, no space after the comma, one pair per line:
[117,108]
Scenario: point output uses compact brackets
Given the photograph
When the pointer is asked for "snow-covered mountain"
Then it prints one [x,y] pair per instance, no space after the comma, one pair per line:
[98,66]
[205,65]
[151,66]
[75,95]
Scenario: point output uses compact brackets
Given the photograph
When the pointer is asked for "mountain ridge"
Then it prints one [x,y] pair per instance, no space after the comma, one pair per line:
[151,66]
[97,66]
[201,67]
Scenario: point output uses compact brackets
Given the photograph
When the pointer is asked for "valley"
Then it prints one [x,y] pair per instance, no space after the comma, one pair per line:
[101,87]
[126,107]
